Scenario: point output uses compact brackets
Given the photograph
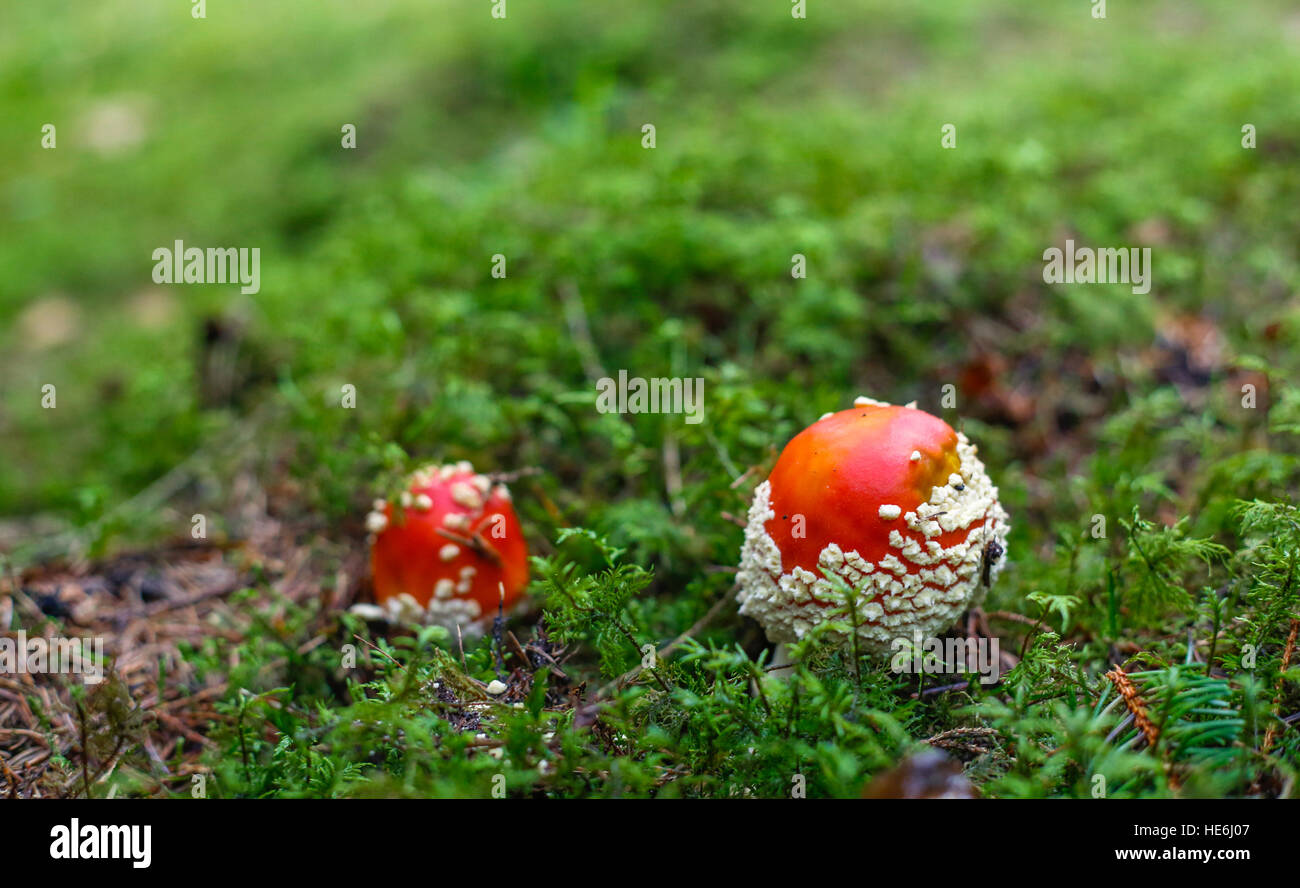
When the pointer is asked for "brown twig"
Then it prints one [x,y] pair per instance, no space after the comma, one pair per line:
[1016,618]
[1133,700]
[741,480]
[941,689]
[1271,734]
[672,646]
[383,653]
[518,650]
[512,477]
[11,777]
[963,738]
[475,542]
[83,747]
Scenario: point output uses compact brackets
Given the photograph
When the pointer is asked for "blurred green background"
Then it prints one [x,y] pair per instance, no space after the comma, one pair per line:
[774,137]
[523,137]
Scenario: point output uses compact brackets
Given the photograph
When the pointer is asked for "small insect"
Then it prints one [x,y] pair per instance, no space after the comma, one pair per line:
[992,552]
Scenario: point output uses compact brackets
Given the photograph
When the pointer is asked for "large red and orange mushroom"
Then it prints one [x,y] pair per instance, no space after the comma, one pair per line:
[450,551]
[890,500]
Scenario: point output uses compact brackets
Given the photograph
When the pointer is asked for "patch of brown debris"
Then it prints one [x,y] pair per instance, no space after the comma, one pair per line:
[56,741]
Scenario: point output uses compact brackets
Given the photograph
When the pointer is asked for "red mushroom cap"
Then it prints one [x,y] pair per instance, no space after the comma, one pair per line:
[450,550]
[891,500]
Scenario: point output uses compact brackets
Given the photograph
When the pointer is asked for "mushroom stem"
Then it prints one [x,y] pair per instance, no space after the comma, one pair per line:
[782,662]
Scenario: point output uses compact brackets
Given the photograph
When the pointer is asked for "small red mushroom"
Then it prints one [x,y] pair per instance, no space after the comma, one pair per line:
[889,499]
[450,551]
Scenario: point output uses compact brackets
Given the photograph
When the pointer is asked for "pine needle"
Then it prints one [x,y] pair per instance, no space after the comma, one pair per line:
[1271,734]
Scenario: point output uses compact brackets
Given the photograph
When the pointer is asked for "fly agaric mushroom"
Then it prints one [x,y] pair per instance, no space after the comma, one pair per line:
[451,551]
[890,500]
